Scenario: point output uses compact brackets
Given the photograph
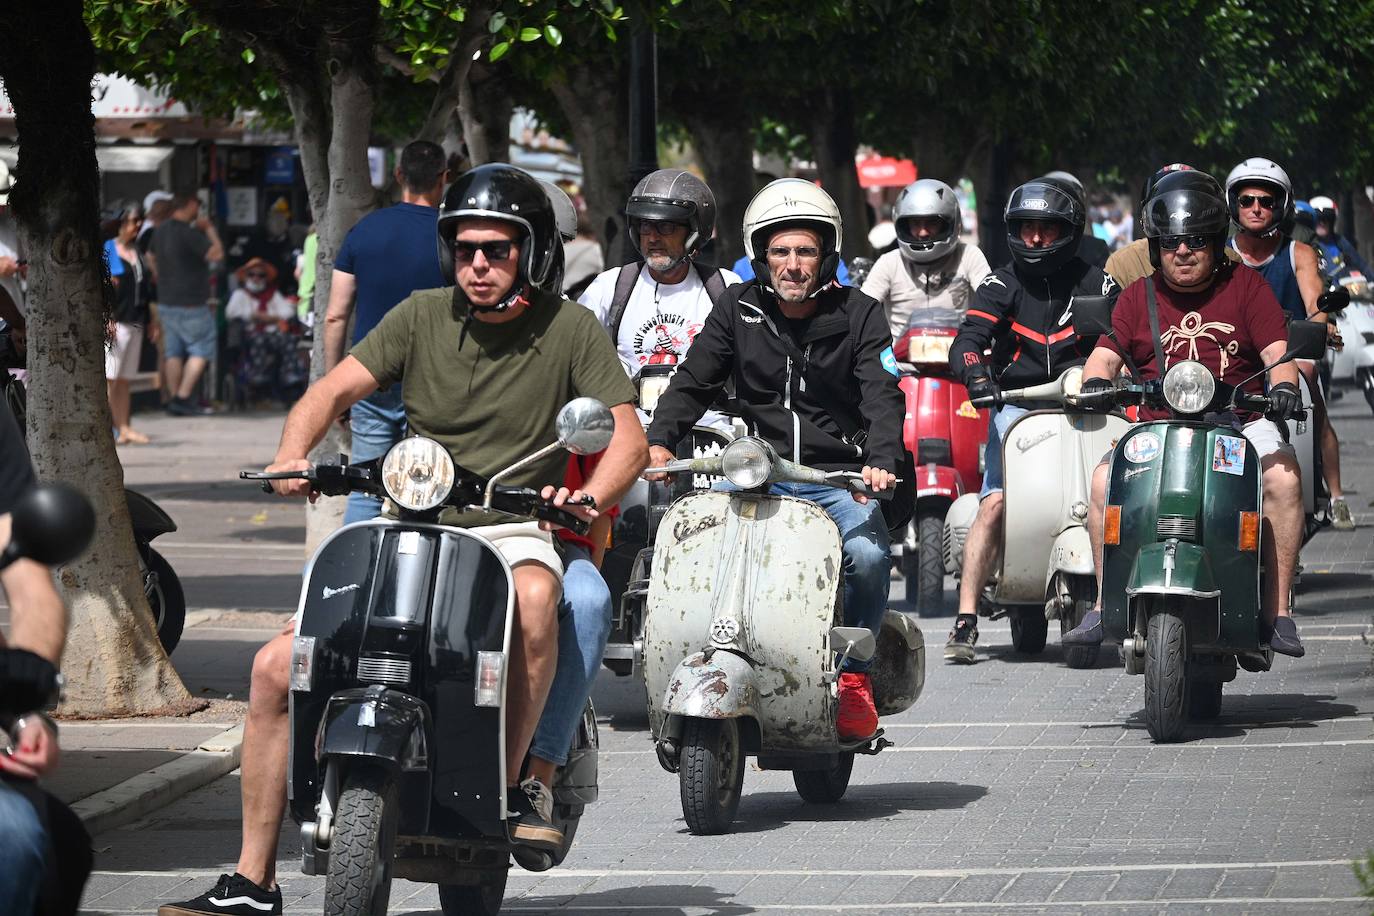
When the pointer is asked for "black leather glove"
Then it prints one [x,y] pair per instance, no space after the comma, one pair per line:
[1096,394]
[27,682]
[1285,402]
[983,387]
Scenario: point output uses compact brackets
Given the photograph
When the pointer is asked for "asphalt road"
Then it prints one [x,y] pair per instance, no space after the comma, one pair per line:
[1015,784]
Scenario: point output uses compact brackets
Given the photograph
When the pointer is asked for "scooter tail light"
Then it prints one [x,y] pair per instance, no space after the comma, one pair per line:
[1249,531]
[303,663]
[491,671]
[1111,525]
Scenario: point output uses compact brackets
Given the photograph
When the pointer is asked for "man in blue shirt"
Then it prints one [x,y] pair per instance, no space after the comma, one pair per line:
[388,255]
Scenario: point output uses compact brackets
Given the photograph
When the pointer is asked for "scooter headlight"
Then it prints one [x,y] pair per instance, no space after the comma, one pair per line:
[746,463]
[651,388]
[1189,387]
[1072,382]
[417,473]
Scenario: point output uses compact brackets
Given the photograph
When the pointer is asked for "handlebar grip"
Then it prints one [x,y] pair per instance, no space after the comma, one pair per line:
[265,476]
[574,523]
[989,400]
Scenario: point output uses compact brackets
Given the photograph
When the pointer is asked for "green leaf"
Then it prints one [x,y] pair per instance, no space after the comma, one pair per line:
[552,35]
[498,51]
[528,34]
[248,55]
[496,22]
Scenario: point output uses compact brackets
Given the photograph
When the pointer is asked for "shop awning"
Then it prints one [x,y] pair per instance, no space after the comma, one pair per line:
[885,172]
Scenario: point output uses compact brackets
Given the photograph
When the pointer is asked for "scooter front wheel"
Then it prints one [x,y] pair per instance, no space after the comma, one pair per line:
[710,774]
[1166,676]
[359,878]
[824,787]
[925,572]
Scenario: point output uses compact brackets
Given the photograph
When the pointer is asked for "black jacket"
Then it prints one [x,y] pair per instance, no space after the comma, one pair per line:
[1028,323]
[834,384]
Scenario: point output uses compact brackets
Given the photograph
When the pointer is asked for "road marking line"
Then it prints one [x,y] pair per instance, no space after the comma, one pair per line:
[727,904]
[962,748]
[230,545]
[1282,722]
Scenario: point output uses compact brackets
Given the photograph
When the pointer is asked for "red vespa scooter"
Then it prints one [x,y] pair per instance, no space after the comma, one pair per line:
[946,436]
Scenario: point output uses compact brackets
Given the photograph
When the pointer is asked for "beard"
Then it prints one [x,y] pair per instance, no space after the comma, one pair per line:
[661,262]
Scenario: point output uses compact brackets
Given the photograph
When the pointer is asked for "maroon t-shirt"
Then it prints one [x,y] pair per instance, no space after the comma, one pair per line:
[1225,327]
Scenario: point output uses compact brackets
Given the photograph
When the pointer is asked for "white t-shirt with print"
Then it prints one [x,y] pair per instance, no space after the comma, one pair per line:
[660,322]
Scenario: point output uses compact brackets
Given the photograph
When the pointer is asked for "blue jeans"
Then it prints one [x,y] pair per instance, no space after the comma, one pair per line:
[24,840]
[998,424]
[863,533]
[378,422]
[584,625]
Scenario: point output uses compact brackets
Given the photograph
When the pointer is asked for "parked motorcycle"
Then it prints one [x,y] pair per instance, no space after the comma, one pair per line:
[946,436]
[398,683]
[741,638]
[161,586]
[1181,576]
[1047,569]
[1354,363]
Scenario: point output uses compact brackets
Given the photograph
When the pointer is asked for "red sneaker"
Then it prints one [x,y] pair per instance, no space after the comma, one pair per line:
[858,717]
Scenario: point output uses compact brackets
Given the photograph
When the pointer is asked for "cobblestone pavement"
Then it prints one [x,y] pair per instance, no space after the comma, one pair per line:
[1015,784]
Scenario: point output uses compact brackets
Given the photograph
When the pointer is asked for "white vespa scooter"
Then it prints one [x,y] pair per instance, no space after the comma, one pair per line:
[1047,571]
[741,641]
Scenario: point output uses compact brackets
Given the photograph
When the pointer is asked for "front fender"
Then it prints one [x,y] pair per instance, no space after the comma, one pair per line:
[147,518]
[723,686]
[939,481]
[1072,553]
[1172,568]
[386,725]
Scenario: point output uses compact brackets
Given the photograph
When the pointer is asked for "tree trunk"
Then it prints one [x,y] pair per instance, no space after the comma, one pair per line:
[834,142]
[485,107]
[993,184]
[594,101]
[115,665]
[725,145]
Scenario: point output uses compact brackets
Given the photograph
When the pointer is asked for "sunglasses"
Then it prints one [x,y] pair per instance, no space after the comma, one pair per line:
[660,227]
[1194,242]
[492,251]
[1264,200]
[255,275]
[804,253]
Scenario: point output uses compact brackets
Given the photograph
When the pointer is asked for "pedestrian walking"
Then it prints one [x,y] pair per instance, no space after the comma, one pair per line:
[183,249]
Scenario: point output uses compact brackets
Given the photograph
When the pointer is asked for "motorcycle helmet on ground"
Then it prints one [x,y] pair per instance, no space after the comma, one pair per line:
[1304,215]
[1187,212]
[1044,200]
[1265,173]
[501,192]
[679,196]
[787,203]
[926,198]
[1326,211]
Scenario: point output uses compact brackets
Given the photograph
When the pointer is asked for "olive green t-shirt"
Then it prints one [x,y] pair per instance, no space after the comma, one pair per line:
[490,393]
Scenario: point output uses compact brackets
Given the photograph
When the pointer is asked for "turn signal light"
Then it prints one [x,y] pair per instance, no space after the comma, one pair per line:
[1111,526]
[1249,531]
[491,670]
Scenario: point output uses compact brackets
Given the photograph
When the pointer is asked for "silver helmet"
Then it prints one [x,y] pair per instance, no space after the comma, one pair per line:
[677,195]
[564,210]
[926,197]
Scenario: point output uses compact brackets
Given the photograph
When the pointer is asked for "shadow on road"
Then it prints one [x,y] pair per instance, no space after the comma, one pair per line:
[222,490]
[1246,713]
[658,900]
[763,811]
[1316,583]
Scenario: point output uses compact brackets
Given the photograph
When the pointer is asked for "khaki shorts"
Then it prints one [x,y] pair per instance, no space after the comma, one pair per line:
[1263,434]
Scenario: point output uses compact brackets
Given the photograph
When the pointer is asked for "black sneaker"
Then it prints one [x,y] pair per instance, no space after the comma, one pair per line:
[182,407]
[234,895]
[1087,633]
[1285,640]
[528,816]
[959,649]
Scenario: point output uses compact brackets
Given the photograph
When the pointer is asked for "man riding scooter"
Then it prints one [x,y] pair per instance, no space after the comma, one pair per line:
[1023,312]
[1207,309]
[486,365]
[1259,197]
[815,376]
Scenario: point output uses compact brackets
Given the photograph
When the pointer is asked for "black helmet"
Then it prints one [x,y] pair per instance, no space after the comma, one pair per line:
[1152,184]
[1187,211]
[1044,200]
[677,195]
[502,192]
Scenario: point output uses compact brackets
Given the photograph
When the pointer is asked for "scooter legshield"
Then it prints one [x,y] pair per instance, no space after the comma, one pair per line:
[1181,488]
[723,686]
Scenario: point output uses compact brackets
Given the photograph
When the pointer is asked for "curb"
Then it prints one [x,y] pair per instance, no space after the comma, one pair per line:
[147,792]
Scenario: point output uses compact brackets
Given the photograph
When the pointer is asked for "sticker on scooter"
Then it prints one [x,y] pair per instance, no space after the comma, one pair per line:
[967,409]
[1228,455]
[1143,447]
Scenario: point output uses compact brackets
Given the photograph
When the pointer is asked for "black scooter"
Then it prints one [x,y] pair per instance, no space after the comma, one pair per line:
[398,684]
[161,586]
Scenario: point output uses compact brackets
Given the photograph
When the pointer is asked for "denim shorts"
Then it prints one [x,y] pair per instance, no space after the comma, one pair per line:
[188,330]
[998,424]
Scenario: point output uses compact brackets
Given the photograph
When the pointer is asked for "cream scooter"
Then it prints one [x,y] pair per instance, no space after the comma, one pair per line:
[742,642]
[1047,571]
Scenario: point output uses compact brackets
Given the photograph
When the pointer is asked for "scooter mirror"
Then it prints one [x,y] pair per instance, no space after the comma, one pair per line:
[1092,315]
[1306,340]
[52,524]
[585,426]
[1333,301]
[857,643]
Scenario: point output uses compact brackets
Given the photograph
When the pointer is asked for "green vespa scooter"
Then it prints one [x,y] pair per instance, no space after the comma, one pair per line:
[1181,576]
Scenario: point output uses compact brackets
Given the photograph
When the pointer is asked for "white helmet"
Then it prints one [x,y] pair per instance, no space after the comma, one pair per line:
[5,183]
[1326,211]
[926,197]
[793,202]
[1268,173]
[564,210]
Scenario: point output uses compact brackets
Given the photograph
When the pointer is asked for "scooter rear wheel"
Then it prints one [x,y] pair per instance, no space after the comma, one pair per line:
[1204,699]
[824,787]
[473,899]
[359,878]
[165,597]
[710,774]
[1028,631]
[1166,676]
[1083,594]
